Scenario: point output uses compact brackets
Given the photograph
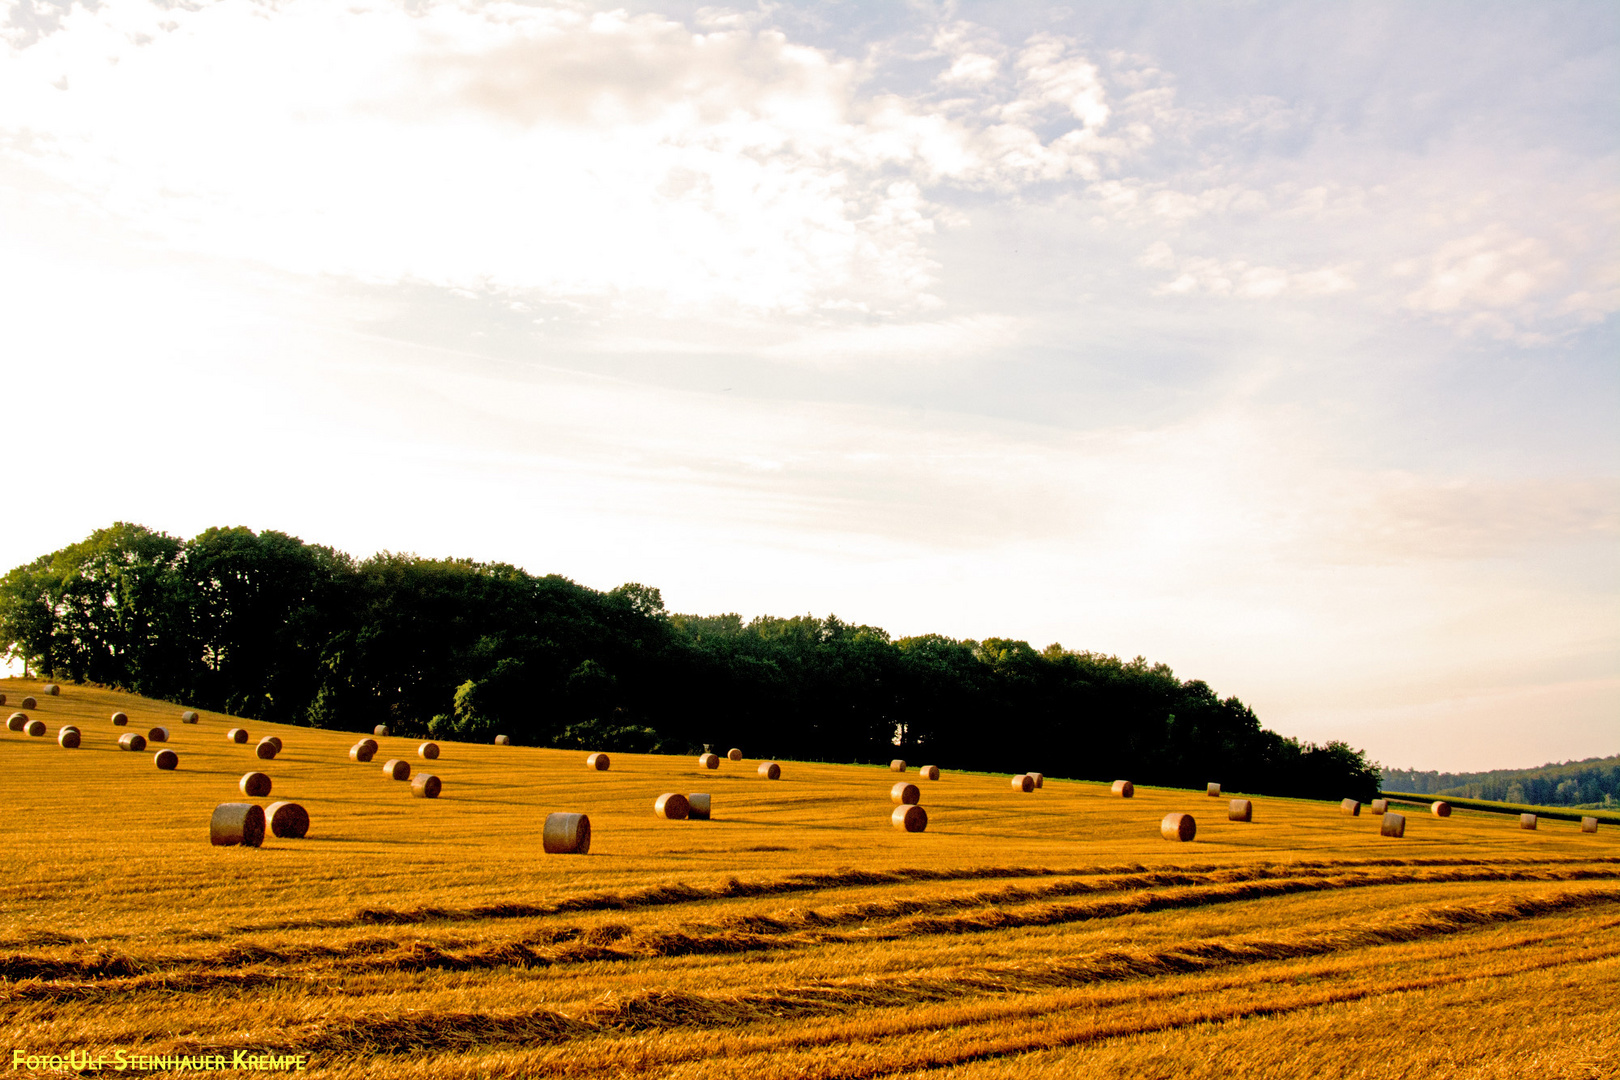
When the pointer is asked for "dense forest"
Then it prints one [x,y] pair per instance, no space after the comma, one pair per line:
[1591,784]
[264,625]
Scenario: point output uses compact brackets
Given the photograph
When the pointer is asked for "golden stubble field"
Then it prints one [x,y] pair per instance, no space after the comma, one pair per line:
[797,934]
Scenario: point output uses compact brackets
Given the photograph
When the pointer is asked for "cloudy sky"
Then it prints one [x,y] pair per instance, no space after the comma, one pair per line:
[1273,341]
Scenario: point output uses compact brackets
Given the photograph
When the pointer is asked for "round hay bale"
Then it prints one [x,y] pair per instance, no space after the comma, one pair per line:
[909,817]
[132,742]
[709,761]
[369,743]
[1213,791]
[1351,807]
[236,823]
[1040,781]
[52,689]
[120,719]
[28,703]
[363,751]
[158,734]
[426,786]
[1240,810]
[266,750]
[287,820]
[397,769]
[770,770]
[381,731]
[697,806]
[189,716]
[599,762]
[255,785]
[16,721]
[1023,782]
[1393,825]
[237,735]
[36,728]
[275,740]
[1526,821]
[929,772]
[428,751]
[672,806]
[1440,808]
[503,740]
[734,754]
[167,760]
[1124,789]
[1179,827]
[1588,824]
[566,834]
[905,794]
[68,738]
[897,765]
[1378,806]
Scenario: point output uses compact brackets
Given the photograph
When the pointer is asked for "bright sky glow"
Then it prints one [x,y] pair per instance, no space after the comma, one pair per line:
[1273,341]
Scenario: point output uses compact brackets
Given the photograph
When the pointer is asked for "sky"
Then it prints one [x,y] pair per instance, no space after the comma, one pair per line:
[1272,341]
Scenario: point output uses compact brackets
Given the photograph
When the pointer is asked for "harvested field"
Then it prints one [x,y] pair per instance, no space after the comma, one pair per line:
[796,933]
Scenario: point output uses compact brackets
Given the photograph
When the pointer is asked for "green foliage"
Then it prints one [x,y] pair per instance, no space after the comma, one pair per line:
[1591,783]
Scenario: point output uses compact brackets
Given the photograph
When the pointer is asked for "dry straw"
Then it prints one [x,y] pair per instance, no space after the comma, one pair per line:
[189,716]
[52,689]
[428,751]
[167,760]
[905,794]
[16,721]
[1240,810]
[503,740]
[1213,791]
[68,738]
[363,751]
[287,820]
[236,823]
[255,785]
[120,719]
[237,735]
[672,806]
[1023,782]
[1527,821]
[1392,825]
[1440,808]
[28,703]
[1588,824]
[697,806]
[397,769]
[1124,789]
[132,742]
[1351,807]
[426,786]
[734,754]
[566,834]
[1178,827]
[929,772]
[161,734]
[1378,806]
[770,770]
[36,728]
[598,761]
[709,761]
[381,731]
[266,750]
[897,765]
[909,818]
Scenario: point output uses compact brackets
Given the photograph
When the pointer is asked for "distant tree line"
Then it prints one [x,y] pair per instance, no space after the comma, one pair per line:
[263,625]
[1592,784]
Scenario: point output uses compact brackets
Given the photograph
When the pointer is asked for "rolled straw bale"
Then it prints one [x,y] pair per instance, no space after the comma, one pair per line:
[265,751]
[697,806]
[274,739]
[28,703]
[1378,806]
[1393,825]
[166,760]
[770,770]
[1440,808]
[566,834]
[503,740]
[1023,782]
[909,817]
[1240,810]
[120,719]
[132,742]
[1351,807]
[381,731]
[1213,791]
[158,734]
[68,738]
[897,765]
[1588,824]
[363,751]
[426,786]
[287,820]
[1124,789]
[428,751]
[369,743]
[734,754]
[905,794]
[1526,821]
[16,721]
[672,806]
[237,735]
[709,761]
[189,716]
[599,761]
[236,823]
[929,772]
[52,689]
[1178,827]
[1040,780]
[255,785]
[36,728]
[397,769]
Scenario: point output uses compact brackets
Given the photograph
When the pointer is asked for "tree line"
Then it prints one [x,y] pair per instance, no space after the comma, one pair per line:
[1593,783]
[265,626]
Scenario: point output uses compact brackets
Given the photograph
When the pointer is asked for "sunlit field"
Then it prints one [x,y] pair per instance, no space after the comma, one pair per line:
[797,933]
